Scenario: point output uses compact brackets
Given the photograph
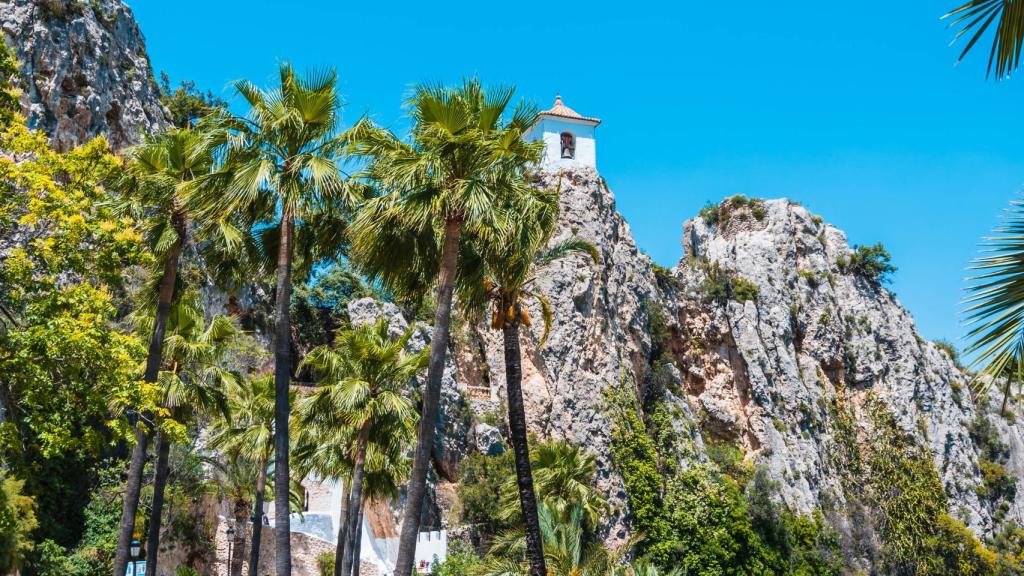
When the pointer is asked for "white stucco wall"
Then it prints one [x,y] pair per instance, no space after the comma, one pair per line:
[322,519]
[550,130]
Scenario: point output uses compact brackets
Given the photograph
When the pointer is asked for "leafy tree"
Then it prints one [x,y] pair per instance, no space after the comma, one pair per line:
[464,158]
[186,103]
[285,181]
[63,360]
[17,521]
[363,401]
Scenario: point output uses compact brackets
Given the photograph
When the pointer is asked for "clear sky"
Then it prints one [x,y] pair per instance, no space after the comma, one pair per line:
[856,110]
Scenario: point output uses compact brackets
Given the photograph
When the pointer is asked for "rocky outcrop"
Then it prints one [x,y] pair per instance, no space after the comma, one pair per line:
[763,367]
[84,70]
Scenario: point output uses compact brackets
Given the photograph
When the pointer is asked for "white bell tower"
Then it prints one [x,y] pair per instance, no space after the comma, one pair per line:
[568,137]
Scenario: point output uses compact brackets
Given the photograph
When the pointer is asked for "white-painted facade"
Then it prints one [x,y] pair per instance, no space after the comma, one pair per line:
[569,138]
[323,518]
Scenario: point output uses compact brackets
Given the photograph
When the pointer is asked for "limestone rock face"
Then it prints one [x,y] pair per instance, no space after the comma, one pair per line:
[772,369]
[766,373]
[85,71]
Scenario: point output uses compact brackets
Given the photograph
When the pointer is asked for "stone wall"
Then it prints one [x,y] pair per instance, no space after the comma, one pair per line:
[305,551]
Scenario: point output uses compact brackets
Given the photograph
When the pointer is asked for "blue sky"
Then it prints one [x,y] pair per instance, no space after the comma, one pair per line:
[858,110]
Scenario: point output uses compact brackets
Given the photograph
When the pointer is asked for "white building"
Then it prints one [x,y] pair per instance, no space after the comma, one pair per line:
[568,137]
[379,546]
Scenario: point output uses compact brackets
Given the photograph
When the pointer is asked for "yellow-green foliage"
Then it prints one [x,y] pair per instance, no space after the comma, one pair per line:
[17,521]
[63,359]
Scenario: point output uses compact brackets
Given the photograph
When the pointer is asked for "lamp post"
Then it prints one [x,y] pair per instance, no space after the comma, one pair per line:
[135,548]
[231,540]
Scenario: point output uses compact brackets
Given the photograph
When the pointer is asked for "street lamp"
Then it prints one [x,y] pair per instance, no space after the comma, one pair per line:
[135,567]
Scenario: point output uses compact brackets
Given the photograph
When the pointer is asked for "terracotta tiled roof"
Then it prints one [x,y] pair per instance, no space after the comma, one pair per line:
[560,110]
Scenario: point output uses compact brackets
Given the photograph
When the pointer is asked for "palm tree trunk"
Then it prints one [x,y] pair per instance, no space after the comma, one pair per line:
[357,540]
[353,530]
[431,399]
[156,514]
[282,381]
[257,517]
[238,540]
[339,549]
[520,446]
[154,358]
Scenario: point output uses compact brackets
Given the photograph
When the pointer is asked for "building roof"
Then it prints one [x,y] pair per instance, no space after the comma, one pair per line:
[560,110]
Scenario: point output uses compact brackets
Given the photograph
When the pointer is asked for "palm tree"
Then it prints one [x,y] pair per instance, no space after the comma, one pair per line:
[463,158]
[564,475]
[975,17]
[249,435]
[158,177]
[508,263]
[995,305]
[234,479]
[285,179]
[363,399]
[567,549]
[191,383]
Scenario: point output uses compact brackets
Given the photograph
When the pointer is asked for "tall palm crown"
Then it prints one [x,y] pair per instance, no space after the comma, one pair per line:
[498,273]
[364,377]
[249,431]
[193,375]
[462,161]
[284,153]
[975,17]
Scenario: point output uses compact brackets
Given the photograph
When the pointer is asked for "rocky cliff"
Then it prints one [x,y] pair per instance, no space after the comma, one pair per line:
[775,343]
[84,69]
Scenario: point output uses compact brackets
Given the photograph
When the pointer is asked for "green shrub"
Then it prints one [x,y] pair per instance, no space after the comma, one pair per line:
[460,562]
[743,290]
[997,483]
[189,571]
[698,517]
[720,286]
[481,483]
[709,213]
[868,262]
[325,563]
[950,349]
